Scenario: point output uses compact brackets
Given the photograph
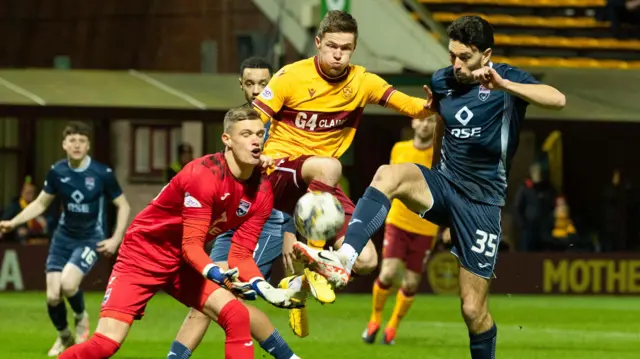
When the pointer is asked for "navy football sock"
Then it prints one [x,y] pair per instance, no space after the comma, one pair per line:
[58,315]
[483,345]
[76,302]
[276,346]
[368,217]
[178,351]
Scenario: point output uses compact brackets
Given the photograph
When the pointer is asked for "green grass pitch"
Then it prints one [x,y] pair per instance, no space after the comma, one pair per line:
[529,327]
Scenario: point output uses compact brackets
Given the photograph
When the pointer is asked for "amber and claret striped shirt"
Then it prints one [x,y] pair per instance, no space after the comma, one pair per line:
[314,114]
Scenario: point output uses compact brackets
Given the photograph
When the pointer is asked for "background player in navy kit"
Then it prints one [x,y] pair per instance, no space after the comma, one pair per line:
[482,106]
[82,183]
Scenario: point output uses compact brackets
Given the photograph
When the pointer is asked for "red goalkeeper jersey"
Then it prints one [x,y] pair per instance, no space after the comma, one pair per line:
[203,200]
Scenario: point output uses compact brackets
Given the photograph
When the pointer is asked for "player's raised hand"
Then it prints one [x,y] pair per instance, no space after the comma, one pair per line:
[108,247]
[429,95]
[6,226]
[489,78]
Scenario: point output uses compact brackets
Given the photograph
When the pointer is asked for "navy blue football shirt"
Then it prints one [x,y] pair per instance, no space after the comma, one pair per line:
[82,191]
[482,132]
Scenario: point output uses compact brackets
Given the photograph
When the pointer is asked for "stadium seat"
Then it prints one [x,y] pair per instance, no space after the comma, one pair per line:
[530,3]
[548,33]
[566,42]
[526,21]
[568,63]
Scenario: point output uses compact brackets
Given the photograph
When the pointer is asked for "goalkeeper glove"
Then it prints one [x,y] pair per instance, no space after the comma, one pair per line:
[229,280]
[281,298]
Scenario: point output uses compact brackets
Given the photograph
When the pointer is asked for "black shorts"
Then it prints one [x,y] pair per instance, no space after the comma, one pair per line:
[475,226]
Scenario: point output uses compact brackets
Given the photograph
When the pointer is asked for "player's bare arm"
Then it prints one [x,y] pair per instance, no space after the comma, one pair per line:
[385,95]
[438,133]
[33,210]
[109,246]
[540,95]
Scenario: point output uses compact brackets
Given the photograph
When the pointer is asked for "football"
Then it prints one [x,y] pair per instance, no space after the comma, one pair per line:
[318,216]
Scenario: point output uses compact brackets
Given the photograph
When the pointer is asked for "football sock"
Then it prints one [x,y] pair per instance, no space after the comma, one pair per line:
[234,319]
[277,347]
[403,303]
[178,351]
[76,302]
[58,315]
[483,345]
[319,187]
[367,219]
[97,347]
[380,295]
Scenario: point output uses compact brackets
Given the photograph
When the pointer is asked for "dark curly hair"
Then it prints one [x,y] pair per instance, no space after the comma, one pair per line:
[471,31]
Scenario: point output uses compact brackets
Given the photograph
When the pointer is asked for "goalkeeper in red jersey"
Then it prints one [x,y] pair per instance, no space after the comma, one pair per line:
[163,248]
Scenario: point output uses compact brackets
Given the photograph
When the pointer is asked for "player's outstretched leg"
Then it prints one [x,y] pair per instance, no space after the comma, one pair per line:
[404,181]
[196,324]
[58,314]
[70,283]
[474,295]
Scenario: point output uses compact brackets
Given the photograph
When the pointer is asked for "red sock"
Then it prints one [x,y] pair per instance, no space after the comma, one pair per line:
[97,347]
[321,187]
[234,319]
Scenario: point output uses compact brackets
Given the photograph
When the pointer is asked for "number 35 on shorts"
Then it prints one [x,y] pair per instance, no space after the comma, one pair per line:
[486,243]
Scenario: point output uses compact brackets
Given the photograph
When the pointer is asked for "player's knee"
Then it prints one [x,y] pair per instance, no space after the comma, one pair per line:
[385,180]
[473,311]
[386,276]
[388,271]
[68,287]
[367,261]
[327,170]
[53,297]
[410,284]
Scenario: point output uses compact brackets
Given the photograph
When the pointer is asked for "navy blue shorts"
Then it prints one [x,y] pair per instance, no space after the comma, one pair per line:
[67,250]
[269,247]
[475,226]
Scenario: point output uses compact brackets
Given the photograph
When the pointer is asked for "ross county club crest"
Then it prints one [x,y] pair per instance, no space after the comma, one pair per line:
[243,208]
[483,93]
[90,183]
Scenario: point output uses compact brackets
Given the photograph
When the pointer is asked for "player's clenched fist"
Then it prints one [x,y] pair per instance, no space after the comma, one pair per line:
[6,226]
[489,78]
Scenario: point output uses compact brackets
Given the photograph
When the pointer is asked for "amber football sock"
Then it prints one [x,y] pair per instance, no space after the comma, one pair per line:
[380,294]
[403,303]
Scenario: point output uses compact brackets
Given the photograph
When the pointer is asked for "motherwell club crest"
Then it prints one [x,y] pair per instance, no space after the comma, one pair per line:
[243,208]
[90,183]
[347,92]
